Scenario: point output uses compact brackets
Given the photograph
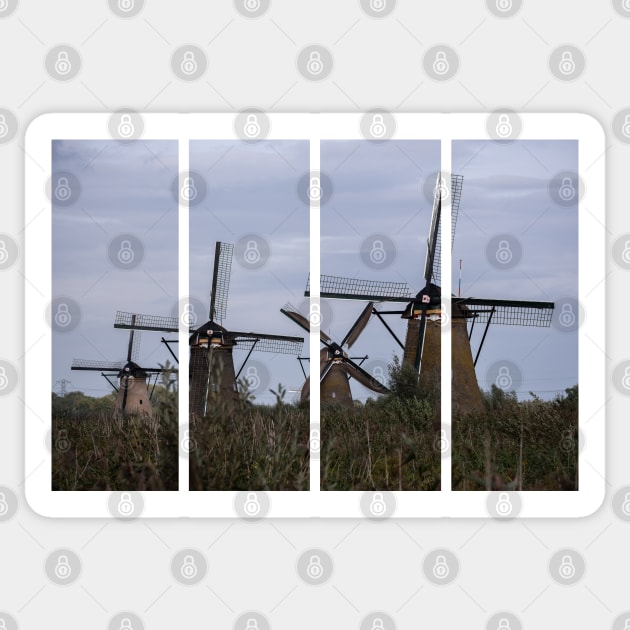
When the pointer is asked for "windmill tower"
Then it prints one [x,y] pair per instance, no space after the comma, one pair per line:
[213,376]
[133,394]
[336,368]
[424,312]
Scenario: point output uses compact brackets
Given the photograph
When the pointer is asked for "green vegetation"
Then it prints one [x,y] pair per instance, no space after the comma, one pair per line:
[387,444]
[394,443]
[528,445]
[242,446]
[94,448]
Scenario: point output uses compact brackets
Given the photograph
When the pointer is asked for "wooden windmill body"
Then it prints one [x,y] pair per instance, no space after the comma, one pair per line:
[426,311]
[213,377]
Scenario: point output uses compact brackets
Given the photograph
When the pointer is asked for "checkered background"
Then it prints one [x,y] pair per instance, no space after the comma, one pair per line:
[252,53]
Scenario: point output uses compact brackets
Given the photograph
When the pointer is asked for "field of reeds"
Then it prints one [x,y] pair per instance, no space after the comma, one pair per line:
[93,448]
[242,446]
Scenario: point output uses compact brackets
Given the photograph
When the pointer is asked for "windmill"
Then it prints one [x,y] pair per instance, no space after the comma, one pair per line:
[425,309]
[212,373]
[153,323]
[133,394]
[336,368]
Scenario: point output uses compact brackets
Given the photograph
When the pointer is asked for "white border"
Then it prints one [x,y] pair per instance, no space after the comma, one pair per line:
[183,127]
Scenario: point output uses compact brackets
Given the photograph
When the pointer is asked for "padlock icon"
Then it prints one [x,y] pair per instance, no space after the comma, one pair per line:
[315,440]
[3,623]
[378,255]
[567,568]
[314,64]
[251,377]
[567,442]
[252,127]
[4,381]
[125,5]
[626,5]
[503,624]
[4,128]
[315,316]
[504,253]
[567,189]
[443,316]
[626,623]
[625,254]
[625,129]
[125,254]
[251,624]
[378,128]
[63,443]
[625,506]
[567,63]
[125,127]
[441,189]
[125,624]
[63,192]
[378,507]
[62,316]
[63,570]
[440,568]
[315,189]
[504,505]
[189,318]
[252,504]
[62,64]
[188,443]
[252,253]
[504,380]
[567,316]
[378,624]
[315,570]
[378,5]
[440,63]
[189,63]
[504,126]
[125,505]
[4,506]
[504,5]
[189,190]
[189,568]
[4,254]
[441,443]
[4,5]
[378,374]
[252,5]
[625,381]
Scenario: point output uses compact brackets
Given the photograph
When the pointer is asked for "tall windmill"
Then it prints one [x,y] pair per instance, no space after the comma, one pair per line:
[133,394]
[336,368]
[212,373]
[425,309]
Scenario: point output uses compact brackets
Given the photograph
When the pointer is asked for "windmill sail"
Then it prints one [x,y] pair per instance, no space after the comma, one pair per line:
[221,281]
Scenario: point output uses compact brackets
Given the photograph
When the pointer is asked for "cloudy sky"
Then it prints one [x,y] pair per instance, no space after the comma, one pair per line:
[125,188]
[252,195]
[377,191]
[380,191]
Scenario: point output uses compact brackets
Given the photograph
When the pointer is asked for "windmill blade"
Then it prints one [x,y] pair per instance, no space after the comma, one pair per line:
[278,344]
[432,261]
[363,290]
[456,195]
[359,326]
[292,313]
[221,281]
[105,366]
[506,312]
[135,321]
[363,377]
[323,373]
